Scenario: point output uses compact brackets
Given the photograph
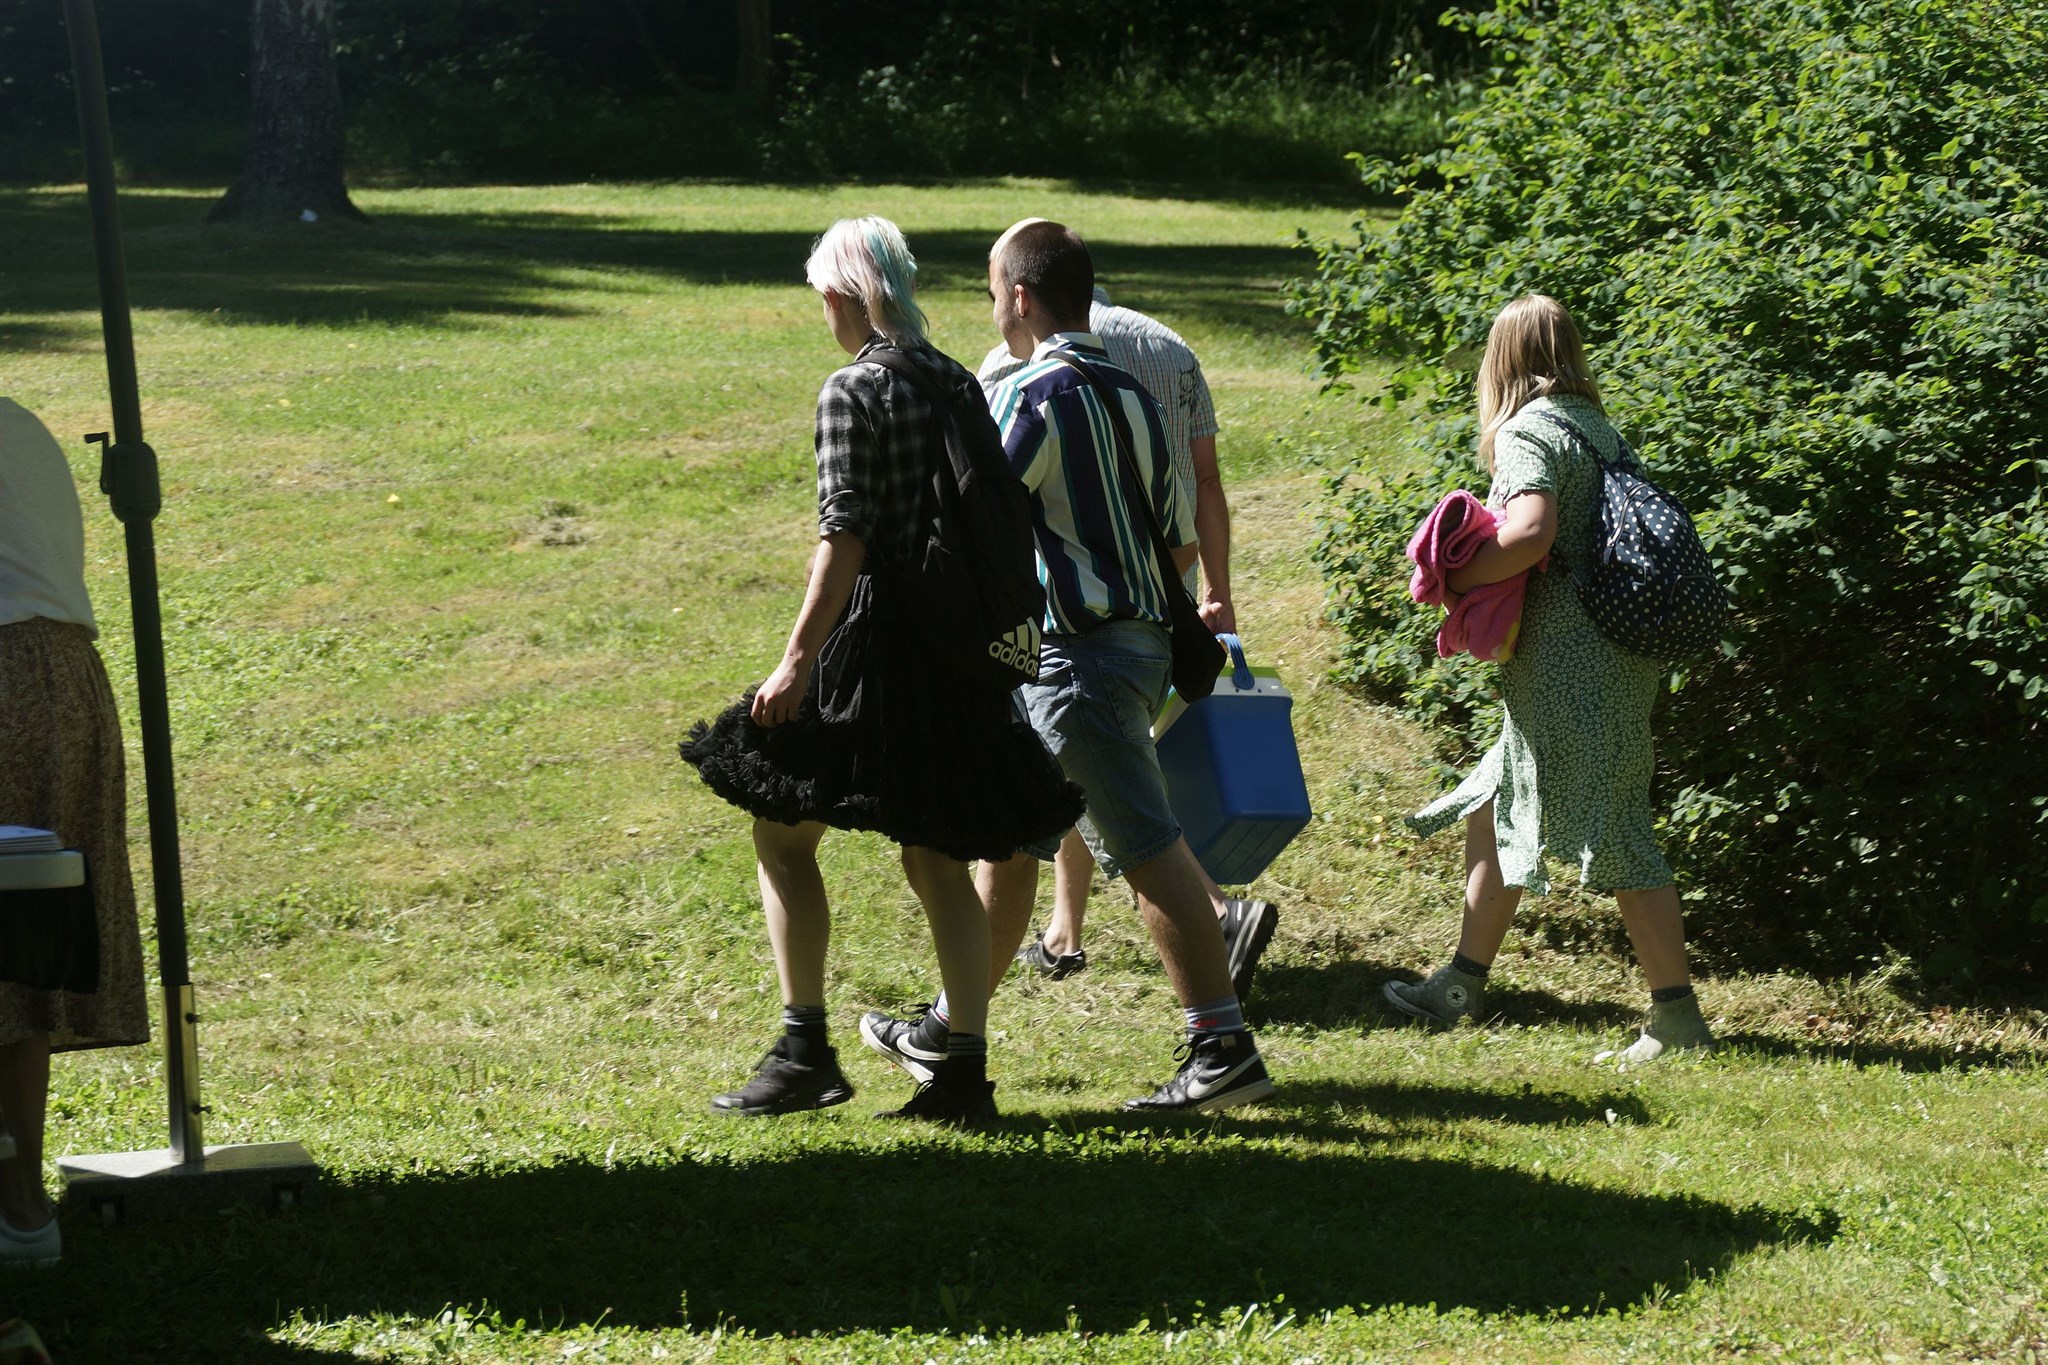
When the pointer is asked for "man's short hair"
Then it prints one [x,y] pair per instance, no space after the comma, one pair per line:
[1052,261]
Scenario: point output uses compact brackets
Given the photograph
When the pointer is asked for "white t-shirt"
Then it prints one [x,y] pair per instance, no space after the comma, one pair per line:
[42,531]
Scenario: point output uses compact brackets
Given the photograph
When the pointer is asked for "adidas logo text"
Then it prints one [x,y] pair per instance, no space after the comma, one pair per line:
[1018,648]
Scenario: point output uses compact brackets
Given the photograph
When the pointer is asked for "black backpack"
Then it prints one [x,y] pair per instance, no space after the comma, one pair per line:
[1649,584]
[972,589]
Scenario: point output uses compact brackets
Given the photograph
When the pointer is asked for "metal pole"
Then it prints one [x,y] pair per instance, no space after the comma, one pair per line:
[128,476]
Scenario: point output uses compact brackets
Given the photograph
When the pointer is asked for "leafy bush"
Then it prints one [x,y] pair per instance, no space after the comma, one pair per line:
[1291,123]
[1805,239]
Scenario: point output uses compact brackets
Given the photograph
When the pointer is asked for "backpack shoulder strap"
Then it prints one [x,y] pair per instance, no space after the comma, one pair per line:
[1628,454]
[935,396]
[890,358]
[1127,464]
[1571,429]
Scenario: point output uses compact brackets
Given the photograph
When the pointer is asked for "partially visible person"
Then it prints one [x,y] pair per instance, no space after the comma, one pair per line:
[1570,775]
[1104,665]
[856,728]
[61,769]
[1164,363]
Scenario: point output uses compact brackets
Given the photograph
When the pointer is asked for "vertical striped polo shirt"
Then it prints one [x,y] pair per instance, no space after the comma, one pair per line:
[1163,363]
[1094,555]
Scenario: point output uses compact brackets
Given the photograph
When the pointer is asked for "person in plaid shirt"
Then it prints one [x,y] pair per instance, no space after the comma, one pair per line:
[854,729]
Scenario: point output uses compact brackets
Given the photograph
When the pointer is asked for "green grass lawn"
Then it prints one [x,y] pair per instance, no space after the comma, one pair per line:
[470,513]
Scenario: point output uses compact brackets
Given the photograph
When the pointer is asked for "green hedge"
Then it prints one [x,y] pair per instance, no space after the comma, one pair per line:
[1806,241]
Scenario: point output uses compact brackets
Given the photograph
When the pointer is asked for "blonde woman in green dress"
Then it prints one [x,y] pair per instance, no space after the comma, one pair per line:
[1570,775]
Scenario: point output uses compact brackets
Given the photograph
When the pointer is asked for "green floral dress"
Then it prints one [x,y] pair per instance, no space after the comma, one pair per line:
[1570,774]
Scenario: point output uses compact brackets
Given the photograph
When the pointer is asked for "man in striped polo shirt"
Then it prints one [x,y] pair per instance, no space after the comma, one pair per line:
[1165,364]
[1104,663]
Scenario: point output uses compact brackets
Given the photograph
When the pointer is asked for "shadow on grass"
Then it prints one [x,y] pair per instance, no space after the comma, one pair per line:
[1312,1103]
[1347,993]
[1906,1057]
[455,269]
[1010,1234]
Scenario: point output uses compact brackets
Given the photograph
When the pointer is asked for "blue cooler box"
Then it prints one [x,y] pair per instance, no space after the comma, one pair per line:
[1233,772]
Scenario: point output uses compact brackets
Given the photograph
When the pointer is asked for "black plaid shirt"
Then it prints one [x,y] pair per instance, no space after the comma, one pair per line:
[874,451]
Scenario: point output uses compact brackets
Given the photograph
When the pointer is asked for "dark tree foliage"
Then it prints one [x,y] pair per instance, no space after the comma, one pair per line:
[1809,244]
[1266,89]
[162,57]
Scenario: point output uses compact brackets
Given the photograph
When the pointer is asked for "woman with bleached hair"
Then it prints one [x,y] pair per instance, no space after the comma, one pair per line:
[1570,775]
[855,728]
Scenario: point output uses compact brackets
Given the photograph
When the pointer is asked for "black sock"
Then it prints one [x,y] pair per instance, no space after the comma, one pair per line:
[1466,965]
[966,1058]
[1664,995]
[803,1032]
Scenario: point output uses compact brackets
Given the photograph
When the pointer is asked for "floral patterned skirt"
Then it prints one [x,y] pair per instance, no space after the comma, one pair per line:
[62,768]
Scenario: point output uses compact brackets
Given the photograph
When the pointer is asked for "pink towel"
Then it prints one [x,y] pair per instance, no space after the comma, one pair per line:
[1486,621]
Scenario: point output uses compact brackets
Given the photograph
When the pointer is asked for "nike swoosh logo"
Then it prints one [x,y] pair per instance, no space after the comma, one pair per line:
[1202,1090]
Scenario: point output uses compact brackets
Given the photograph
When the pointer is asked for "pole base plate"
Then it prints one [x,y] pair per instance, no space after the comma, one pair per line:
[128,1187]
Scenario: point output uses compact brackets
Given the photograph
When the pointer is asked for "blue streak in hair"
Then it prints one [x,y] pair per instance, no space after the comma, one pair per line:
[899,279]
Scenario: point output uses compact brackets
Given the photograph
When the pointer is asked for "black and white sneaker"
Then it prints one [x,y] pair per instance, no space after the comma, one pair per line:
[782,1085]
[1247,928]
[1219,1071]
[968,1104]
[1046,962]
[917,1045]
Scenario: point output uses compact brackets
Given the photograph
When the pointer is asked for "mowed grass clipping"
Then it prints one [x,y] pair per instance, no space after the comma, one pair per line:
[471,512]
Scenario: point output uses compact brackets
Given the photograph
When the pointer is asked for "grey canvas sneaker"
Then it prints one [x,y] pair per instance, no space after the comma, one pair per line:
[38,1247]
[1673,1026]
[1441,1000]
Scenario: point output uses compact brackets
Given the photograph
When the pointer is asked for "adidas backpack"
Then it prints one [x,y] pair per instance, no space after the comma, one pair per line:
[1649,585]
[973,588]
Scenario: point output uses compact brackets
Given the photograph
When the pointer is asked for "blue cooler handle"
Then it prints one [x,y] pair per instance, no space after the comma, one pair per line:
[1240,671]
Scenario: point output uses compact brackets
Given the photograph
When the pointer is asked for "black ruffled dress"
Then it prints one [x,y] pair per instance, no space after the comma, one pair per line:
[881,741]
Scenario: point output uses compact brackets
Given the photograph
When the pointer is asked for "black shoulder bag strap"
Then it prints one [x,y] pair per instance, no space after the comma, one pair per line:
[1197,656]
[890,358]
[895,361]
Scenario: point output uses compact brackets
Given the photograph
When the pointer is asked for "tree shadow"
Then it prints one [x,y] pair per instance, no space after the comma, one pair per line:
[1009,1234]
[462,269]
[1429,1106]
[1907,1057]
[1332,1111]
[1347,993]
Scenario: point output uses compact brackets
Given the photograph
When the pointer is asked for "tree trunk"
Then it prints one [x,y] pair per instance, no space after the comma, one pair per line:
[293,165]
[753,81]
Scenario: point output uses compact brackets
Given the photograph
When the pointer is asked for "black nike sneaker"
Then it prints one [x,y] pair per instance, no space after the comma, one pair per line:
[917,1044]
[1247,928]
[958,1104]
[1219,1071]
[782,1085]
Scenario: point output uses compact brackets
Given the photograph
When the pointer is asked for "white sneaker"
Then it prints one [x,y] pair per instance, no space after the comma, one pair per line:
[1673,1026]
[42,1247]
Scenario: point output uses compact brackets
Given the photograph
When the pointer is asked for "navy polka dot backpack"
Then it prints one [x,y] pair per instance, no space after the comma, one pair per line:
[1649,585]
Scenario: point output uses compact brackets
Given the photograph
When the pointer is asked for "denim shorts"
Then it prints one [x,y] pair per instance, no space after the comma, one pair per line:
[1093,705]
